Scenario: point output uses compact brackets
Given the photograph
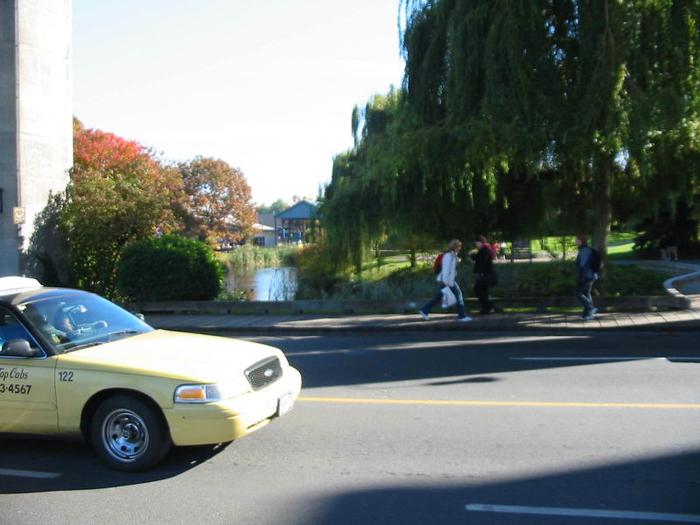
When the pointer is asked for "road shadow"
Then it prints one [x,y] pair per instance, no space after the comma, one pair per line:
[668,484]
[482,379]
[29,465]
[606,323]
[470,358]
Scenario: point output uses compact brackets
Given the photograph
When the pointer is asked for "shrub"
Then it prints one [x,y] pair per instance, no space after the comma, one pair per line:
[558,279]
[522,280]
[317,276]
[169,268]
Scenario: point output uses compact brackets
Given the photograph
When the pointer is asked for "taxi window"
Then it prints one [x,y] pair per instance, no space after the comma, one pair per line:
[11,328]
[76,320]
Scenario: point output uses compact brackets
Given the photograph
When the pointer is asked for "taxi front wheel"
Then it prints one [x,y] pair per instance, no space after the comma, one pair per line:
[129,434]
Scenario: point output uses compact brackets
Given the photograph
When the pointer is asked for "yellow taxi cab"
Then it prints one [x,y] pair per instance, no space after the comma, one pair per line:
[74,364]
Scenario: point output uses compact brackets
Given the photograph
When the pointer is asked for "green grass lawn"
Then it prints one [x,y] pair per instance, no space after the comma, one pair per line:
[372,272]
[624,250]
[620,246]
[616,238]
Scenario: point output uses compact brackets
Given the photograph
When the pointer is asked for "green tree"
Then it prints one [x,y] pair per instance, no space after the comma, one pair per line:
[358,207]
[276,207]
[584,99]
[48,253]
[218,201]
[118,193]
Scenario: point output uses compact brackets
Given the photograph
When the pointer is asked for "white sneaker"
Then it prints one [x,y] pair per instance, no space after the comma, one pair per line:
[464,319]
[423,315]
[589,317]
[593,312]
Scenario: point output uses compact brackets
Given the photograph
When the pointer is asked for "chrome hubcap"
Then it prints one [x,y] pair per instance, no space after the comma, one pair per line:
[125,435]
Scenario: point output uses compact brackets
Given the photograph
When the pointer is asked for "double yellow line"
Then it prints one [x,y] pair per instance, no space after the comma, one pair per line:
[500,404]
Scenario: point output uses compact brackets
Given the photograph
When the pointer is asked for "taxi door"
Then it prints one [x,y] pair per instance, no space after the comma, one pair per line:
[27,386]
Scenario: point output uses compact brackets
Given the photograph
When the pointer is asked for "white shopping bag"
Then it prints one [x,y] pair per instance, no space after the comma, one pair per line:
[448,297]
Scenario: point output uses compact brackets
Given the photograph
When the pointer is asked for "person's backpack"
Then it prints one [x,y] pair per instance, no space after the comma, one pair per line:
[594,261]
[437,265]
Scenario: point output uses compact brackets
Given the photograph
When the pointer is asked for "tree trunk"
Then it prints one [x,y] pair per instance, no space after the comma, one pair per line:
[358,257]
[563,248]
[602,209]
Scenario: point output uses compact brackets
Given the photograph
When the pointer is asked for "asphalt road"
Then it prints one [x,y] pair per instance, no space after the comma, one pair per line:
[418,428]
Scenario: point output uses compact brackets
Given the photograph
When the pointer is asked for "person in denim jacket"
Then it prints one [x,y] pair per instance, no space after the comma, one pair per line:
[585,278]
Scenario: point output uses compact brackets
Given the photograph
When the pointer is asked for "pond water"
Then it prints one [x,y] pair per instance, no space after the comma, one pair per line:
[265,284]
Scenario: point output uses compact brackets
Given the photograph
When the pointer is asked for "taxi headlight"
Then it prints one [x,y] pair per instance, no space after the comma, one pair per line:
[206,393]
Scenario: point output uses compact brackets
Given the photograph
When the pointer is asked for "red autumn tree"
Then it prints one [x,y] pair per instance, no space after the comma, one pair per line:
[118,193]
[94,149]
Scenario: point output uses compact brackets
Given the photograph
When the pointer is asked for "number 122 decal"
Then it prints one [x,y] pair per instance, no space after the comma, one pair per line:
[66,377]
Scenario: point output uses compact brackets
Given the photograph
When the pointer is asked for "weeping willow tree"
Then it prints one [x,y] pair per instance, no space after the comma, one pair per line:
[577,96]
[663,86]
[386,187]
[477,83]
[524,117]
[355,210]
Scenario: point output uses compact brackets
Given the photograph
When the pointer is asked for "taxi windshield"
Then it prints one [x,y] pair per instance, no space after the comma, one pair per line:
[77,319]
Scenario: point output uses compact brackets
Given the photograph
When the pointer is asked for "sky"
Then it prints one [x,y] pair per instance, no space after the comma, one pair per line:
[268,86]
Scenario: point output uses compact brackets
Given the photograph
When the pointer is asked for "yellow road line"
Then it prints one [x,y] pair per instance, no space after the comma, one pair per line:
[485,403]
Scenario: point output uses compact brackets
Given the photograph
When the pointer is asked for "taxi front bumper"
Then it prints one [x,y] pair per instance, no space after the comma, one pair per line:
[194,424]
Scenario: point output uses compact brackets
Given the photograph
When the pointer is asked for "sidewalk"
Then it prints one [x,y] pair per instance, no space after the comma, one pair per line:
[686,283]
[682,320]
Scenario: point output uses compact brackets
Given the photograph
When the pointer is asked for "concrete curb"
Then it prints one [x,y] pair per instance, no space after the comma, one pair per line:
[670,284]
[280,330]
[539,323]
[675,301]
[672,267]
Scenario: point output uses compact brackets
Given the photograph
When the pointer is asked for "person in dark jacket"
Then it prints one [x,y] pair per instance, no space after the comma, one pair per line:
[485,274]
[585,278]
[671,247]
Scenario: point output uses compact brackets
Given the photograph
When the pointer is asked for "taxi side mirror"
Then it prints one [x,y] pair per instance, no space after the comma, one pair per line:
[18,348]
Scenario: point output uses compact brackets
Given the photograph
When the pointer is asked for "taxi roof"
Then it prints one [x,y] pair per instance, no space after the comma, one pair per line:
[37,294]
[14,285]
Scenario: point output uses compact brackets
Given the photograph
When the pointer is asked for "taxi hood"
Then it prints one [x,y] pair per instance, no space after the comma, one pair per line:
[177,355]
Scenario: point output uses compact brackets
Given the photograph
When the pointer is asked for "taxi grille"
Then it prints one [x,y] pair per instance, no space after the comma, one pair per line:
[264,372]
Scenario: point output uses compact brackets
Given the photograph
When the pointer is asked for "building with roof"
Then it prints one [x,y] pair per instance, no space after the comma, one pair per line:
[297,223]
[264,235]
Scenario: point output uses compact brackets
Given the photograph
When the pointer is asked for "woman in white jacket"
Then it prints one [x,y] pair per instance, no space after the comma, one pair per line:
[447,277]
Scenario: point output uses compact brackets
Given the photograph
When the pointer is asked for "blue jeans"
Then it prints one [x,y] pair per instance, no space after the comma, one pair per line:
[438,299]
[583,294]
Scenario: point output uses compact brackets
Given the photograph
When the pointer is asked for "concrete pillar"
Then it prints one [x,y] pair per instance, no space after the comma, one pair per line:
[9,255]
[36,132]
